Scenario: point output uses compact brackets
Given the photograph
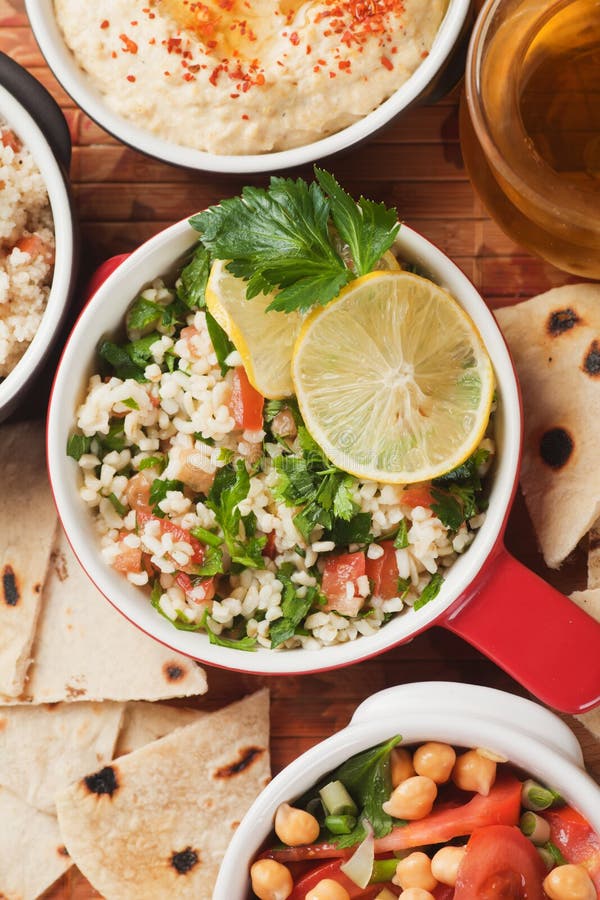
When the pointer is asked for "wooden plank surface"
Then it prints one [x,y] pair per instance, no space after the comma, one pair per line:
[123,198]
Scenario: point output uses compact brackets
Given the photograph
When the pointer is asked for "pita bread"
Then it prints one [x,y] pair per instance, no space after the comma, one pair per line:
[32,852]
[23,557]
[156,823]
[147,722]
[555,342]
[85,650]
[589,601]
[594,557]
[43,749]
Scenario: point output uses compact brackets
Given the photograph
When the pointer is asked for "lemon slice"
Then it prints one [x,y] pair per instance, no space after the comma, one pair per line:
[393,380]
[264,340]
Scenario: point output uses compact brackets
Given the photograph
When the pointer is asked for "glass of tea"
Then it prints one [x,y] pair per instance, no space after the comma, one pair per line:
[530,125]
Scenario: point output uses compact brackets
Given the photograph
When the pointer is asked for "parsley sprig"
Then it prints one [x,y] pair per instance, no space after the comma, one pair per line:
[290,236]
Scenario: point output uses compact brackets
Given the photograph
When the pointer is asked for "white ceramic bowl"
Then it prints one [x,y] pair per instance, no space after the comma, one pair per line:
[484,593]
[49,145]
[463,715]
[441,68]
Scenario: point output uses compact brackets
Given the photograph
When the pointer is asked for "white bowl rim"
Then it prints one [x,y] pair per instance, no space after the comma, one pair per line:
[135,606]
[35,141]
[506,731]
[79,87]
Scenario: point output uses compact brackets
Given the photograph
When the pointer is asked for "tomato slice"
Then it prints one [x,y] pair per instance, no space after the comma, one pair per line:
[246,404]
[207,584]
[128,560]
[383,572]
[575,839]
[417,495]
[500,864]
[178,533]
[502,806]
[332,871]
[339,570]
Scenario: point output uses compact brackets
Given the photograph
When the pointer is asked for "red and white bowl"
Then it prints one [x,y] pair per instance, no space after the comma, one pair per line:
[529,736]
[489,598]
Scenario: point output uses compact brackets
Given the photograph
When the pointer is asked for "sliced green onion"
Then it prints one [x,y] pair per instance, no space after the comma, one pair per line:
[383,870]
[340,824]
[536,797]
[206,537]
[547,858]
[122,510]
[555,853]
[337,801]
[535,828]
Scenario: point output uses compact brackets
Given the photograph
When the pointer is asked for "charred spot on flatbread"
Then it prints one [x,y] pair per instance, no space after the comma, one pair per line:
[103,782]
[556,447]
[184,861]
[591,363]
[10,588]
[62,850]
[562,320]
[173,671]
[246,758]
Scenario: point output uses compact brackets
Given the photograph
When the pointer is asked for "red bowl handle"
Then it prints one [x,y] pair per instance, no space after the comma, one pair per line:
[535,633]
[102,273]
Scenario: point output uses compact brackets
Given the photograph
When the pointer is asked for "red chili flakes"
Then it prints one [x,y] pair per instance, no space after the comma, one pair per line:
[316,68]
[344,64]
[131,78]
[294,38]
[387,63]
[189,77]
[332,74]
[105,24]
[245,117]
[308,49]
[129,46]
[424,54]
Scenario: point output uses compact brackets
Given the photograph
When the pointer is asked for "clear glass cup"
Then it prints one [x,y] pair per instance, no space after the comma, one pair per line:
[530,125]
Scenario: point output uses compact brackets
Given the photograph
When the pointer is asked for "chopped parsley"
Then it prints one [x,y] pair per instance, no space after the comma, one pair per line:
[78,445]
[430,591]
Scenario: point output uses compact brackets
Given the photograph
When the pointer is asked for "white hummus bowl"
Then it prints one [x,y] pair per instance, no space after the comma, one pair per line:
[487,597]
[36,119]
[436,74]
[530,736]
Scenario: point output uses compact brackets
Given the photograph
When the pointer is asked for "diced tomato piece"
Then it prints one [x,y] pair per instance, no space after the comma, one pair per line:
[178,533]
[500,864]
[128,560]
[575,839]
[270,550]
[502,806]
[246,404]
[417,495]
[35,246]
[383,572]
[9,139]
[206,584]
[332,871]
[147,566]
[339,570]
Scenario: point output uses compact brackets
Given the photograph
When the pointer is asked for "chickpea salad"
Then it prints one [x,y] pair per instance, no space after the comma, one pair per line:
[216,497]
[428,822]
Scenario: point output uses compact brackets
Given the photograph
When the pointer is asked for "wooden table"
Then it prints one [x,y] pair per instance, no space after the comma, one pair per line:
[122,198]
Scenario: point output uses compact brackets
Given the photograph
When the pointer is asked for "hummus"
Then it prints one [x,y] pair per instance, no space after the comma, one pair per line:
[248,76]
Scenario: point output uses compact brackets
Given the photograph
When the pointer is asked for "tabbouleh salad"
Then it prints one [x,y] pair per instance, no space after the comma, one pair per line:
[221,504]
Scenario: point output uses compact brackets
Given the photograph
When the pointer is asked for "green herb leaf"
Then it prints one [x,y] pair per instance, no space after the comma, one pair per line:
[430,592]
[115,439]
[277,238]
[344,506]
[212,564]
[158,492]
[122,510]
[356,531]
[143,314]
[180,622]
[78,445]
[448,509]
[191,287]
[246,643]
[294,608]
[131,403]
[401,539]
[206,537]
[153,462]
[368,228]
[220,341]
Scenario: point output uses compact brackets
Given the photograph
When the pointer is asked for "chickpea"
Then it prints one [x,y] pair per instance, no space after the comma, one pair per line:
[412,799]
[271,880]
[295,827]
[414,871]
[435,760]
[401,766]
[328,889]
[569,883]
[445,864]
[474,772]
[416,894]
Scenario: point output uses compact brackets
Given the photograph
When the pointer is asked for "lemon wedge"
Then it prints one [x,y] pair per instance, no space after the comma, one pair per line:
[393,380]
[264,340]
